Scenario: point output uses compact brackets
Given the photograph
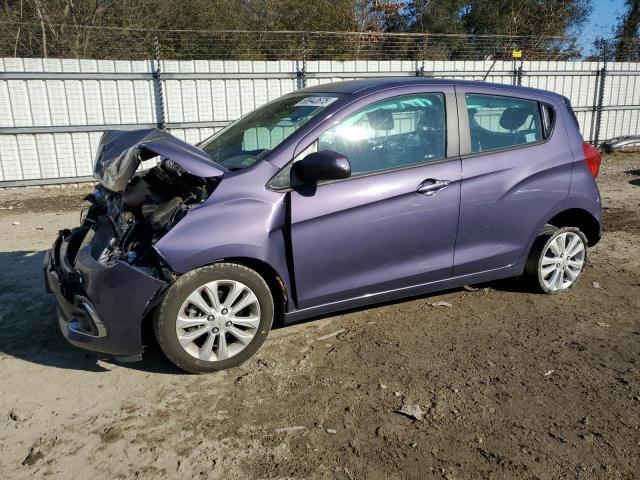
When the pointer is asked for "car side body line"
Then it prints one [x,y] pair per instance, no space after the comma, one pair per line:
[403,293]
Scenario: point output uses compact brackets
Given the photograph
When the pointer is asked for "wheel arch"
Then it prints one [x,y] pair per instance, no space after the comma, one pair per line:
[586,217]
[579,218]
[274,281]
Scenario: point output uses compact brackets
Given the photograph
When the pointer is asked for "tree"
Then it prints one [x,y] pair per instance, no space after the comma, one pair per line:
[626,47]
[66,28]
[63,27]
[381,15]
[532,21]
[436,16]
[499,17]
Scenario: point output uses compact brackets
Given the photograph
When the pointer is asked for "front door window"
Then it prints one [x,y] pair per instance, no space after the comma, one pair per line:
[393,133]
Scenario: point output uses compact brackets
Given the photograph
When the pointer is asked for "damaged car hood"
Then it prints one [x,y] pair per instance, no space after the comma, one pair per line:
[120,153]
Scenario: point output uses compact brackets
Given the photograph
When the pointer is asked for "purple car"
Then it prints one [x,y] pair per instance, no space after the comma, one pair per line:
[329,198]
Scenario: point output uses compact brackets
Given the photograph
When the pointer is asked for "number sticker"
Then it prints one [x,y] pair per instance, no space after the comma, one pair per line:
[316,102]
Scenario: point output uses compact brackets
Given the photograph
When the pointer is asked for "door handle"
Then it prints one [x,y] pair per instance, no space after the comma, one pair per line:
[431,186]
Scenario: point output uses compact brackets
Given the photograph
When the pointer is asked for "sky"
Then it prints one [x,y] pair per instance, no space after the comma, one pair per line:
[602,20]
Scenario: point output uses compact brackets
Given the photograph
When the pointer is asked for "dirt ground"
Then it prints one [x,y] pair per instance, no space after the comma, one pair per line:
[509,383]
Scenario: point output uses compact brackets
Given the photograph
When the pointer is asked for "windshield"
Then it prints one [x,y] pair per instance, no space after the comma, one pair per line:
[251,138]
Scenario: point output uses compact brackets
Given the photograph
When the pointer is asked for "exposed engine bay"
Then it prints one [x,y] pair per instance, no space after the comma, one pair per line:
[131,209]
[124,225]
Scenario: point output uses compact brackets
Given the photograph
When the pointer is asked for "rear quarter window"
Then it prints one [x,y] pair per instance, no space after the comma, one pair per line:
[548,119]
[497,122]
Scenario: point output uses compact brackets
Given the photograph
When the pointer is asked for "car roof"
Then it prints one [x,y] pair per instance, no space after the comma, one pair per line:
[371,85]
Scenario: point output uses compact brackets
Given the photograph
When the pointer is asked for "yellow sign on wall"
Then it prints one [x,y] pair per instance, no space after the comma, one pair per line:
[516,53]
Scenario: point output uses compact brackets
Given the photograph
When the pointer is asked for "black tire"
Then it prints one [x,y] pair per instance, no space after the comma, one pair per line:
[533,267]
[166,314]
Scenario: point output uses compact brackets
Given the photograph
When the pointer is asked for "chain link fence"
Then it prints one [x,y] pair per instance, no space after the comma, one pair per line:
[61,86]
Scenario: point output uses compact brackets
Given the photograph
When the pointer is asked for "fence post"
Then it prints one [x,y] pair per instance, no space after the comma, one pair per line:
[598,107]
[520,73]
[301,73]
[517,69]
[420,72]
[157,84]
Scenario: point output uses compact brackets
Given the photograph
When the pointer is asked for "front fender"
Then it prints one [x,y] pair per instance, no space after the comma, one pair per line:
[244,227]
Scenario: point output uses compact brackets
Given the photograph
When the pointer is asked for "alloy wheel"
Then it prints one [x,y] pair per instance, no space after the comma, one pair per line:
[218,320]
[562,261]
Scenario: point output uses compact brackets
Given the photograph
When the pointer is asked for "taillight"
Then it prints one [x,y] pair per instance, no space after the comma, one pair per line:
[593,158]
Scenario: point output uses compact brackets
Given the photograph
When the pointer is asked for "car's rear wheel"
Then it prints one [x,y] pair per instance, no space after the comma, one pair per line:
[214,317]
[557,258]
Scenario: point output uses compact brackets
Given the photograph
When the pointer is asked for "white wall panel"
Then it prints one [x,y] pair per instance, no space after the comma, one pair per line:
[226,92]
[10,166]
[46,154]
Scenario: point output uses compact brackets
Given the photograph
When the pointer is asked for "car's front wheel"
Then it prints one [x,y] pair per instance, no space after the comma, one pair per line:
[557,259]
[214,317]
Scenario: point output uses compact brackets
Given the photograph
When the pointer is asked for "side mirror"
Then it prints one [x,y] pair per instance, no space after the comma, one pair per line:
[322,165]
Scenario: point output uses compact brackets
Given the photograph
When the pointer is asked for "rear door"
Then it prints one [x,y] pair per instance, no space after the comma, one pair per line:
[393,223]
[516,167]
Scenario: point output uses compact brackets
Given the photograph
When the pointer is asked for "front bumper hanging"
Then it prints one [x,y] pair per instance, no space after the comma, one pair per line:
[100,307]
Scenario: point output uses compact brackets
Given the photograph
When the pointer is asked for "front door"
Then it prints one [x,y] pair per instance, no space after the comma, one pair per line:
[393,223]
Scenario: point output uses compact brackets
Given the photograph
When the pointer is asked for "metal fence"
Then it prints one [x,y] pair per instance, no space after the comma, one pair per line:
[58,94]
[71,41]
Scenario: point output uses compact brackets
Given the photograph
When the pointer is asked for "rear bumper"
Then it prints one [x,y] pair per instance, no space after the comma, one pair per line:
[100,307]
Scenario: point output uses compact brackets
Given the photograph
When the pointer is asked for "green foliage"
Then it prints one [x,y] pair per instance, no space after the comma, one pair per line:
[65,28]
[504,17]
[627,46]
[500,17]
[187,14]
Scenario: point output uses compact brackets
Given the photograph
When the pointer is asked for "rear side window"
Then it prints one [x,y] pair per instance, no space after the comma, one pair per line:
[497,122]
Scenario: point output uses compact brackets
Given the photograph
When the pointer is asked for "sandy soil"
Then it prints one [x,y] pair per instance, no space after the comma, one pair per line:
[509,384]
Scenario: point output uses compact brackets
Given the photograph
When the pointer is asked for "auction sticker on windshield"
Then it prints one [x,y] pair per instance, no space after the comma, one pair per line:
[316,101]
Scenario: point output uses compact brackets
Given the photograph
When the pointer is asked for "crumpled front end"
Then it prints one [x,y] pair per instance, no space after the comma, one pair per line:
[120,153]
[106,274]
[100,305]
